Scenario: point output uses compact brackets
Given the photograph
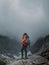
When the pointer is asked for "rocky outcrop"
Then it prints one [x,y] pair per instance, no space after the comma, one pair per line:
[45,52]
[33,60]
[41,47]
[45,48]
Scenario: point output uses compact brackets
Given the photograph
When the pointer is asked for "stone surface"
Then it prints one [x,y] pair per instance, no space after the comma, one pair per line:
[33,60]
[2,63]
[45,52]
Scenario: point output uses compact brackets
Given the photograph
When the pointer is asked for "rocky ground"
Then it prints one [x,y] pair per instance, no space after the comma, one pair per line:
[33,60]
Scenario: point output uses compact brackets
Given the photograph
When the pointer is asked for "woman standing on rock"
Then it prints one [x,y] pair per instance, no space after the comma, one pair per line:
[24,43]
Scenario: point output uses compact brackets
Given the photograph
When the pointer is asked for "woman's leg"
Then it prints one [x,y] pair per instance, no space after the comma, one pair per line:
[26,52]
[22,52]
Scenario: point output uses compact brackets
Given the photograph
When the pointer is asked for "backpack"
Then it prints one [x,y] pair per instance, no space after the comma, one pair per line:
[27,42]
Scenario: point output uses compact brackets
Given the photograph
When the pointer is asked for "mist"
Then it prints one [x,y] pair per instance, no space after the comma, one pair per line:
[20,16]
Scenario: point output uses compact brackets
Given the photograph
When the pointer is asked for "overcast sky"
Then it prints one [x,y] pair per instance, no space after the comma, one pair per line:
[19,16]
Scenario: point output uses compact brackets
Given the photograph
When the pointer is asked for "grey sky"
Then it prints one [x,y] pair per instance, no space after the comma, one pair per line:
[19,16]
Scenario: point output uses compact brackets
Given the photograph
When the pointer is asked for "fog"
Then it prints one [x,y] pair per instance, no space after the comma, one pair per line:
[20,16]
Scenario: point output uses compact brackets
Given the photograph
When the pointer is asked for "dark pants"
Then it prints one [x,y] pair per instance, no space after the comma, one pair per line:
[24,48]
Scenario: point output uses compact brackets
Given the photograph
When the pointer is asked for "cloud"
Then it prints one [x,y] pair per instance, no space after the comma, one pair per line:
[19,16]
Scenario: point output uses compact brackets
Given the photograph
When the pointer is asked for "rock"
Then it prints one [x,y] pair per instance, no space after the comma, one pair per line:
[45,52]
[36,59]
[2,63]
[22,62]
[33,60]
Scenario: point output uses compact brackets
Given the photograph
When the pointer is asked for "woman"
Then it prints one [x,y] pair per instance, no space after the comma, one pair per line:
[24,46]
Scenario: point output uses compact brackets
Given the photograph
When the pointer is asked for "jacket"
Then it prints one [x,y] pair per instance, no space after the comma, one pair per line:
[24,38]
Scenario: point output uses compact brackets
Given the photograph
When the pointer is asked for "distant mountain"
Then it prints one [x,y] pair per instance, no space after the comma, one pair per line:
[38,45]
[8,45]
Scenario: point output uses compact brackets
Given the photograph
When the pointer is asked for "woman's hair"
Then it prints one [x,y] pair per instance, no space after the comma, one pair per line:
[26,35]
